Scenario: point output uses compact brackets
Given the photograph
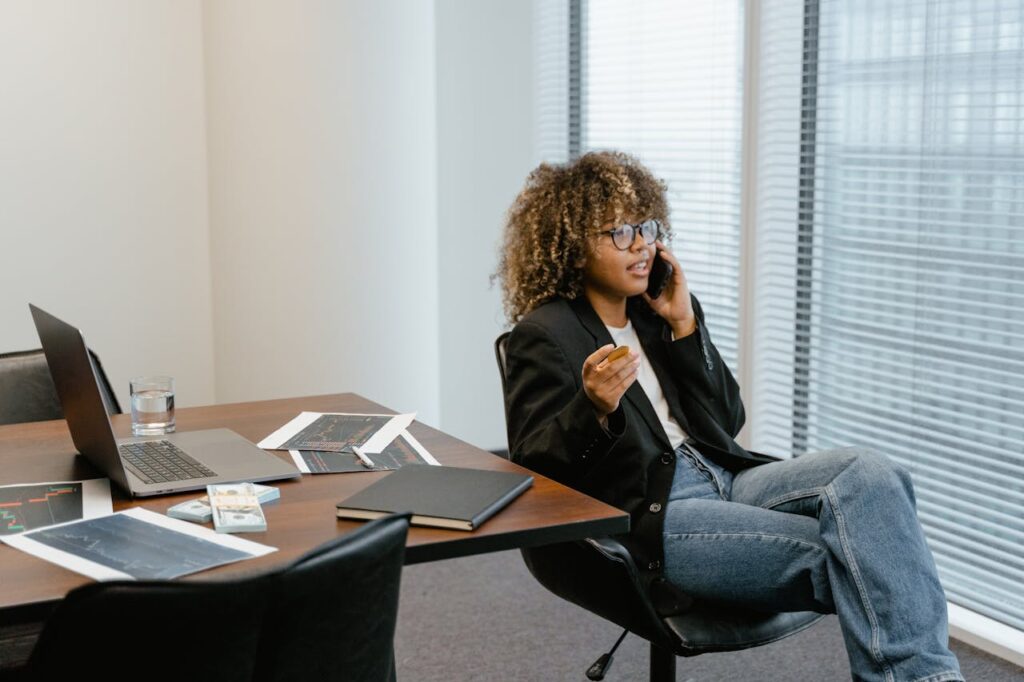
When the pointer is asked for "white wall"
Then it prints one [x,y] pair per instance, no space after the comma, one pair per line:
[103,216]
[485,150]
[314,192]
[323,200]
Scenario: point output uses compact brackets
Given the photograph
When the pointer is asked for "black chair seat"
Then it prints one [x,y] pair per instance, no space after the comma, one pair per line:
[698,627]
[713,627]
[599,576]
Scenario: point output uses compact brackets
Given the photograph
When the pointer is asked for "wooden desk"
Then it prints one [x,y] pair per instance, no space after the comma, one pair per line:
[304,517]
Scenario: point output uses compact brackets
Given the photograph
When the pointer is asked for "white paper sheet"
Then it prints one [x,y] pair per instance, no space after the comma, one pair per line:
[96,499]
[303,466]
[96,571]
[286,432]
[390,431]
[299,463]
[387,433]
[427,457]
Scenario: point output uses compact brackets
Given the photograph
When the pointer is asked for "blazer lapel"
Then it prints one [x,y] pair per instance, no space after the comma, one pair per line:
[589,319]
[634,394]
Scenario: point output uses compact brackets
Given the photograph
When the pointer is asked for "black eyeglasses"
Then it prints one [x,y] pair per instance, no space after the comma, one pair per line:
[623,235]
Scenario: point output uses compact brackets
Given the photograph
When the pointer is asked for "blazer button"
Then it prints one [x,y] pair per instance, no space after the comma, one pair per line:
[666,458]
[655,508]
[654,566]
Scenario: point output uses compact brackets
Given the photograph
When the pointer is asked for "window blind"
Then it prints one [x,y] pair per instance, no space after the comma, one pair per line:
[551,80]
[663,80]
[890,261]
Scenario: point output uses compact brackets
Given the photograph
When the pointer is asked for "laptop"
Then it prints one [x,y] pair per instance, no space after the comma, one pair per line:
[144,466]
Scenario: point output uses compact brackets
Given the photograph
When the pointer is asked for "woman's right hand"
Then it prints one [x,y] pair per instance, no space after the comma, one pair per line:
[606,382]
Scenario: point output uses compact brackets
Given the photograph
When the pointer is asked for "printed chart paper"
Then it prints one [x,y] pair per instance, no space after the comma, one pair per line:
[28,506]
[136,544]
[338,432]
[403,450]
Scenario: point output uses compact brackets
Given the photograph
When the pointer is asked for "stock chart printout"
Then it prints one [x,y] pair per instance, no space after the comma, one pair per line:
[137,544]
[338,432]
[402,450]
[27,507]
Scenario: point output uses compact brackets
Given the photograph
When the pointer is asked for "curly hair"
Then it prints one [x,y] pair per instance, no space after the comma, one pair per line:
[560,207]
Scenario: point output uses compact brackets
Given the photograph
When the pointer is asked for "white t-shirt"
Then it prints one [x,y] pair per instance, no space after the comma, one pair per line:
[626,336]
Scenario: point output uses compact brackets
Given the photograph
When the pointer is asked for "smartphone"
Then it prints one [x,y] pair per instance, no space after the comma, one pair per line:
[661,271]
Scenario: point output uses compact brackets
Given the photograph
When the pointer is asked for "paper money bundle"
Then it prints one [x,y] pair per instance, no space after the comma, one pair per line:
[236,508]
[199,511]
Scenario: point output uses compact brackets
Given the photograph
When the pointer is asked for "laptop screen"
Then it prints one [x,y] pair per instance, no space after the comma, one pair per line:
[79,392]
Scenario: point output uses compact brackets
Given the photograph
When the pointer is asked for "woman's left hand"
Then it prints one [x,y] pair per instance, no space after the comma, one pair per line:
[674,303]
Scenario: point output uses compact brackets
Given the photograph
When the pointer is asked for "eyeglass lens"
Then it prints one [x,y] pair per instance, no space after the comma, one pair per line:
[625,234]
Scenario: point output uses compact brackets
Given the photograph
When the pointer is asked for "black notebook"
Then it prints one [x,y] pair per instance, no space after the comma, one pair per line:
[445,497]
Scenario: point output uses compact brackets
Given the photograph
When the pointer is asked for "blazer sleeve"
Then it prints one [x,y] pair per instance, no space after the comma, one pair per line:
[552,426]
[703,376]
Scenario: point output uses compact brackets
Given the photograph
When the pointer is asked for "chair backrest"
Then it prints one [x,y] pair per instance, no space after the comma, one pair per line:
[329,616]
[334,611]
[27,393]
[500,346]
[154,631]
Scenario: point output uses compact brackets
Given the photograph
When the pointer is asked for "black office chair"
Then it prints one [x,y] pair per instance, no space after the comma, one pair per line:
[599,575]
[27,393]
[329,616]
[334,611]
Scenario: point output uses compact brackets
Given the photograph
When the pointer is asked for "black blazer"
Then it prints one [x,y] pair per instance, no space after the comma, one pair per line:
[553,430]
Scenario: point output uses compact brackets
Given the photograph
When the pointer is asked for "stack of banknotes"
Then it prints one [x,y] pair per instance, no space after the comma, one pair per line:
[236,508]
[201,511]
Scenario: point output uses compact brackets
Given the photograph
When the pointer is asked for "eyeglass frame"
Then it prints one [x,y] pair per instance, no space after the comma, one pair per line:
[635,228]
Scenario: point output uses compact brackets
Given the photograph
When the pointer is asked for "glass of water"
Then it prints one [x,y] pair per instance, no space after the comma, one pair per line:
[152,405]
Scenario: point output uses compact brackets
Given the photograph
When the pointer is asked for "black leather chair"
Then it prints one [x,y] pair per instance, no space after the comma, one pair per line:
[334,611]
[329,616]
[599,575]
[27,393]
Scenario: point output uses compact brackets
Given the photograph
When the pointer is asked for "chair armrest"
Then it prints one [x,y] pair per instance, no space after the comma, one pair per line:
[662,598]
[614,550]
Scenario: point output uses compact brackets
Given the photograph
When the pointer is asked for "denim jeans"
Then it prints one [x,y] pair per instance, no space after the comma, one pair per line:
[833,532]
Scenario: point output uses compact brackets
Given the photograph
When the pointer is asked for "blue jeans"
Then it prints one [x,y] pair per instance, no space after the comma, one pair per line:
[833,532]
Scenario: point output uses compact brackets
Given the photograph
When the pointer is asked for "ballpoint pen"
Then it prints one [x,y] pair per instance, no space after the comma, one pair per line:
[367,462]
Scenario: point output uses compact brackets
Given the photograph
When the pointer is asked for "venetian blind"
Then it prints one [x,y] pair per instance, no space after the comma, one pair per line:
[663,80]
[890,261]
[551,80]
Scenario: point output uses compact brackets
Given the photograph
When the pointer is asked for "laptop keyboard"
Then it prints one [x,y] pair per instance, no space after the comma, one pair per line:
[160,461]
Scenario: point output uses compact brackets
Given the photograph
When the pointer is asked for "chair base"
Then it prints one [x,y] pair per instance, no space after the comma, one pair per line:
[663,664]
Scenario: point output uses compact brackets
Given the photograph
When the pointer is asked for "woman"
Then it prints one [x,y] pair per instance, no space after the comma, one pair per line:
[652,432]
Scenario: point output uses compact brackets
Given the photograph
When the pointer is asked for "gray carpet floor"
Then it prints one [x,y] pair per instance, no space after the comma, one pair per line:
[485,618]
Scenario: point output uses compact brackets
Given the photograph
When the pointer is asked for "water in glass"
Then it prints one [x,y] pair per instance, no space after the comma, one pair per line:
[152,412]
